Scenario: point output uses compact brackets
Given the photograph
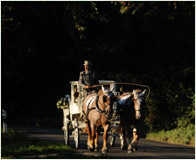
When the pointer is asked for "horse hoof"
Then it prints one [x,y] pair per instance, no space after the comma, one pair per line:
[89,148]
[129,150]
[134,149]
[105,151]
[96,149]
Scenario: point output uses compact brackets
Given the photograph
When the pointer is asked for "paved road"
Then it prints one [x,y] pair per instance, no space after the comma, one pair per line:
[146,150]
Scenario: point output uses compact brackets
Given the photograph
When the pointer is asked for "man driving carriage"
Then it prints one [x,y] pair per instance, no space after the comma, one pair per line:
[88,78]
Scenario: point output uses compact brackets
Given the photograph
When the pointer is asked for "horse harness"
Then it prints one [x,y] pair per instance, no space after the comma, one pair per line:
[142,100]
[131,100]
[96,107]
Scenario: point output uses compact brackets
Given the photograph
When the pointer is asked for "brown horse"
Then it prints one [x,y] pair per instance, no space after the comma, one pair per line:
[132,115]
[97,109]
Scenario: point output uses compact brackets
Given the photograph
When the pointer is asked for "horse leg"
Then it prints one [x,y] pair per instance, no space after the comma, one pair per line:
[129,148]
[104,148]
[89,134]
[123,143]
[92,137]
[96,139]
[135,140]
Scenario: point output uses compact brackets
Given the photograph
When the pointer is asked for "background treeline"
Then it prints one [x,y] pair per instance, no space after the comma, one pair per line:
[44,45]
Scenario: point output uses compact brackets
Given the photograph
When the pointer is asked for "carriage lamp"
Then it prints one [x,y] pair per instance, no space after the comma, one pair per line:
[4,116]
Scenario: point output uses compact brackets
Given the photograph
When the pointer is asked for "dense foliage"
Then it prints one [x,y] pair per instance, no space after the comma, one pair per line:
[183,135]
[44,45]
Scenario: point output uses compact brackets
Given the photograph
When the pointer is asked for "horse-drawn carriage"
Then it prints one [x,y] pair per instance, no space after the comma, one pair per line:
[73,112]
[73,123]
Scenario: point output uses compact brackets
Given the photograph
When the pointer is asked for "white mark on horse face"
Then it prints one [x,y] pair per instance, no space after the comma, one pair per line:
[135,95]
[138,96]
[138,115]
[137,104]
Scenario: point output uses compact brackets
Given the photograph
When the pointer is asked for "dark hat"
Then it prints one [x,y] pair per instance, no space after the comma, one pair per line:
[87,63]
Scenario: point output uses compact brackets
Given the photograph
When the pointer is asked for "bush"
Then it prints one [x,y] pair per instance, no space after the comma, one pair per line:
[179,135]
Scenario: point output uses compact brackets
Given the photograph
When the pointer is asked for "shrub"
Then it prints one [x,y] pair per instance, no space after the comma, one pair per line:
[179,135]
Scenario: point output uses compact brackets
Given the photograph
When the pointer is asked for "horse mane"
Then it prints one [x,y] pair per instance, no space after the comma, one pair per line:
[125,97]
[138,90]
[125,94]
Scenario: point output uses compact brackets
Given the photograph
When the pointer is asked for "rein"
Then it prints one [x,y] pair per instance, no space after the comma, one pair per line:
[99,110]
[131,84]
[97,106]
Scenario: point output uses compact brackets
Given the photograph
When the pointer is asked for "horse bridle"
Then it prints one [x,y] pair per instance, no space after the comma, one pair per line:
[97,106]
[139,98]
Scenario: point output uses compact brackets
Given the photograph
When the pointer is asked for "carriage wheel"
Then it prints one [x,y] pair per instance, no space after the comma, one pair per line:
[112,140]
[66,133]
[76,134]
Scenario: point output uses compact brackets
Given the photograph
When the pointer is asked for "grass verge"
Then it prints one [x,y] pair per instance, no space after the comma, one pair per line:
[178,135]
[16,145]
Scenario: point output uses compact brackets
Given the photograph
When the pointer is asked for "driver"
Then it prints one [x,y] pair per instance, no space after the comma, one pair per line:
[87,79]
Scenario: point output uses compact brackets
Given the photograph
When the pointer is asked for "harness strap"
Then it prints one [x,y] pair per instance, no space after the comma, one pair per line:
[97,106]
[102,111]
[88,109]
[97,109]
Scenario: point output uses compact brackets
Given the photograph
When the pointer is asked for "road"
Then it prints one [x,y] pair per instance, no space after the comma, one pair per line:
[147,149]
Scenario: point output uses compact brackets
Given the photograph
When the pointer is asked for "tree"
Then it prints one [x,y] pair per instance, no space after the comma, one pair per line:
[44,45]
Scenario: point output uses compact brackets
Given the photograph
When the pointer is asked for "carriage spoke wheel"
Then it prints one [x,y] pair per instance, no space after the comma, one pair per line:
[66,133]
[76,134]
[112,140]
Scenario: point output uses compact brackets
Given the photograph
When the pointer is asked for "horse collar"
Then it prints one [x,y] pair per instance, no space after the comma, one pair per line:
[101,111]
[97,106]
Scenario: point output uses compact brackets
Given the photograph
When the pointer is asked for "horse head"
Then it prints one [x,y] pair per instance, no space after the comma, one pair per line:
[107,99]
[139,101]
